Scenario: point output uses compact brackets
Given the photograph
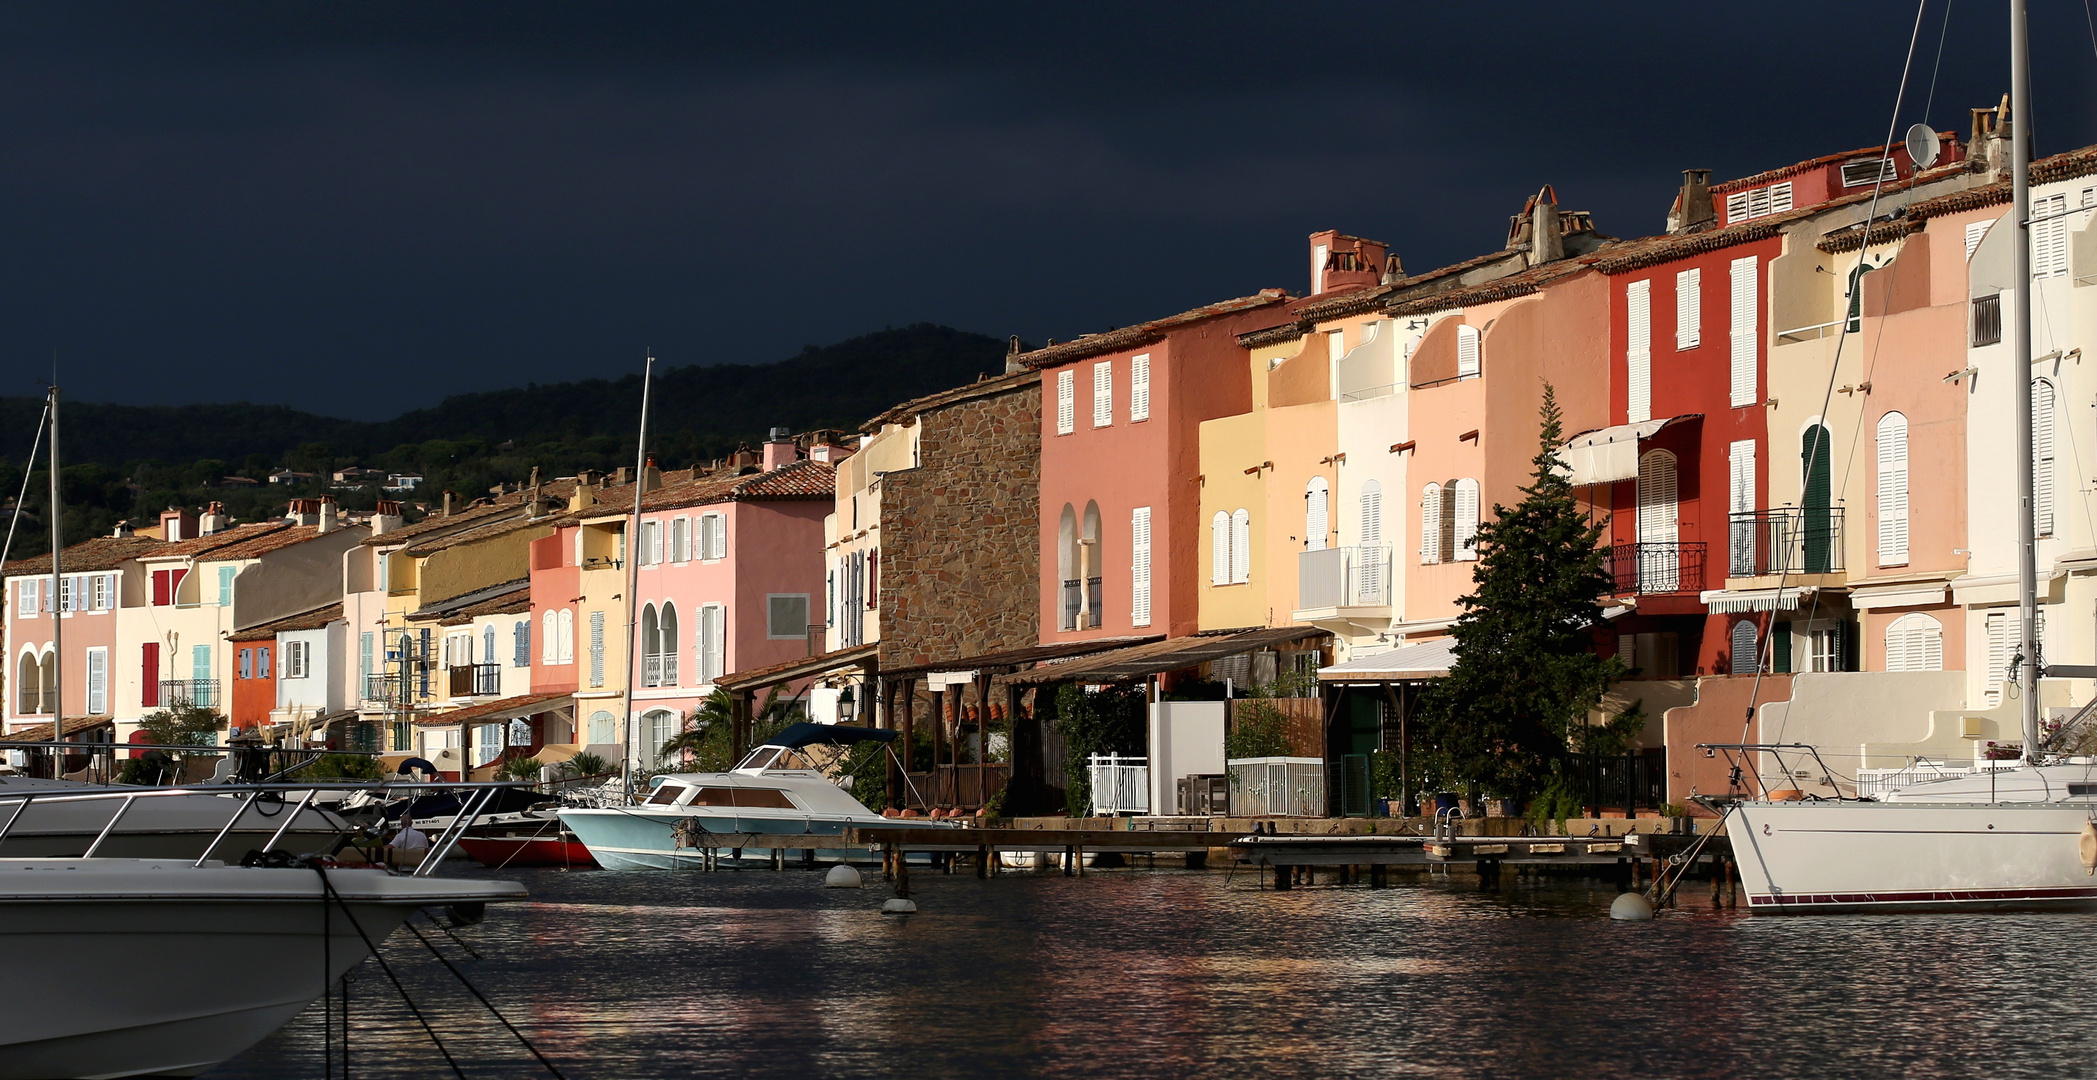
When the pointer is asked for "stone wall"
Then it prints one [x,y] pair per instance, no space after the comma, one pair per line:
[960,546]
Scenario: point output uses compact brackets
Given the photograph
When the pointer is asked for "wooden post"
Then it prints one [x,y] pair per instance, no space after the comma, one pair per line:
[1284,878]
[983,737]
[909,733]
[902,872]
[983,862]
[1070,860]
[893,770]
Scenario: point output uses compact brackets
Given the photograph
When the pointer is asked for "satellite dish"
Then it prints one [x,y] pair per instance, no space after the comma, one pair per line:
[1922,146]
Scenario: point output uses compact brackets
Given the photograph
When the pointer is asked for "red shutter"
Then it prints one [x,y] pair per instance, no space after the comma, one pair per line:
[160,596]
[149,667]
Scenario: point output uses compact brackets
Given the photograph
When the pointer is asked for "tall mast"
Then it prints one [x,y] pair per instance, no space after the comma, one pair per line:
[58,652]
[633,582]
[2020,383]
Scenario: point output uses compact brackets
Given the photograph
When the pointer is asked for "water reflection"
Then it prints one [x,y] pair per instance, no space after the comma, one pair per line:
[1180,974]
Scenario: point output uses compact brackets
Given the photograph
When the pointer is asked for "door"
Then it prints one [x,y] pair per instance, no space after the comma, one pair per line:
[1816,528]
[1659,524]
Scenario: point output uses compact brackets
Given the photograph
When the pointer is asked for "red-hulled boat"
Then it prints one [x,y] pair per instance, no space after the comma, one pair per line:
[528,840]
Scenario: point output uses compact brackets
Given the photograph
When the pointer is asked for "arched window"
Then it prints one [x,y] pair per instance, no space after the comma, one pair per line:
[1093,547]
[2042,410]
[1915,642]
[666,642]
[1659,524]
[1241,547]
[1070,564]
[1431,524]
[651,660]
[50,682]
[1220,549]
[1317,516]
[521,630]
[488,644]
[1465,531]
[29,682]
[1745,660]
[549,638]
[1893,490]
[565,635]
[604,728]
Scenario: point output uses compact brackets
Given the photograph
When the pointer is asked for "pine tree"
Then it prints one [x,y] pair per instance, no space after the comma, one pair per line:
[1526,670]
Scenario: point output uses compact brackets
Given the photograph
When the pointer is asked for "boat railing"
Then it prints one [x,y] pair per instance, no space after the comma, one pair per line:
[1795,763]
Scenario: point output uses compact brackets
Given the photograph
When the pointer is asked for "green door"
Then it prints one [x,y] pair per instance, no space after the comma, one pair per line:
[1816,526]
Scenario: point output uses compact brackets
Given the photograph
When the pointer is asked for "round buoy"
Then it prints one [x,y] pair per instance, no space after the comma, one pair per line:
[841,877]
[898,906]
[1631,907]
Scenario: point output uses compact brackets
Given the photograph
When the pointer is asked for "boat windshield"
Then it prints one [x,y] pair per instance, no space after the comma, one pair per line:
[776,757]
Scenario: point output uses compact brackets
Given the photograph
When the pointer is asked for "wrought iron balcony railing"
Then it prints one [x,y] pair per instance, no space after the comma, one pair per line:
[475,680]
[1787,540]
[202,693]
[1650,569]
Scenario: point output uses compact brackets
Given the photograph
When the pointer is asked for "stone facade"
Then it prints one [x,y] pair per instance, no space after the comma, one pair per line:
[960,546]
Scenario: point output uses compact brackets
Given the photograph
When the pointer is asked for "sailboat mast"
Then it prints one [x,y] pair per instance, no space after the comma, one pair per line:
[53,604]
[2020,383]
[633,580]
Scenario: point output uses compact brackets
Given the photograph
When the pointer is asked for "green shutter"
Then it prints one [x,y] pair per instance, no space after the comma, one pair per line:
[1780,648]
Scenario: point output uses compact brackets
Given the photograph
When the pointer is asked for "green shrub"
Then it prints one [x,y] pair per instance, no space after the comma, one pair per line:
[1258,730]
[340,766]
[523,768]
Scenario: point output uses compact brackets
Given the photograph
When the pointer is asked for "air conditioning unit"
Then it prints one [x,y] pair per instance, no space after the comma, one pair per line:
[1204,794]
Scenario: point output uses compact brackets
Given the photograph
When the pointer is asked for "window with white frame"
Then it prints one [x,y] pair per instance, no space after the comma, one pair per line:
[1139,557]
[650,549]
[1759,202]
[1241,547]
[1431,524]
[1220,548]
[1467,358]
[26,597]
[1893,489]
[1066,401]
[1689,309]
[713,536]
[97,681]
[712,644]
[1638,351]
[1746,305]
[298,659]
[680,540]
[1466,531]
[1103,393]
[1915,642]
[1139,387]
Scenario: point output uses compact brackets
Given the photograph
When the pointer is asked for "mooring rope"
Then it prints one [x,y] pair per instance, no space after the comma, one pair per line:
[492,1010]
[329,888]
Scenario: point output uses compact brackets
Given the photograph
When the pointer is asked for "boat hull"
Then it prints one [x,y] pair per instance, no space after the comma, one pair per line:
[498,852]
[1827,857]
[639,838]
[80,938]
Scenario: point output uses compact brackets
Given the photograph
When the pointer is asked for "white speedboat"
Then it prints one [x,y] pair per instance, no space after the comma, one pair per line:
[2010,839]
[243,948]
[776,788]
[63,818]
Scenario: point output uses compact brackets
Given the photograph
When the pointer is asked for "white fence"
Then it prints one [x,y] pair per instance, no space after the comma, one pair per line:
[1277,787]
[1120,785]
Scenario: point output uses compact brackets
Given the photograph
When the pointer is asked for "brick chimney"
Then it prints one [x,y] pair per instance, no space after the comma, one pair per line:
[780,449]
[177,524]
[651,477]
[1340,262]
[1693,210]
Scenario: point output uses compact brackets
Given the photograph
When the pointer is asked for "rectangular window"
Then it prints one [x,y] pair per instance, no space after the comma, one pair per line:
[1867,171]
[1987,320]
[297,659]
[2049,236]
[712,622]
[1689,309]
[262,662]
[25,594]
[681,540]
[1467,352]
[1066,401]
[97,682]
[1975,230]
[1139,550]
[597,648]
[1746,306]
[1741,500]
[647,551]
[225,585]
[1139,387]
[1638,351]
[1103,393]
[713,537]
[105,588]
[1761,202]
[66,598]
[246,663]
[523,634]
[786,615]
[200,662]
[365,644]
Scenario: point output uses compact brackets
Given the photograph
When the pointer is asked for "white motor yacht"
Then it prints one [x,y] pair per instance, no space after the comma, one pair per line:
[63,818]
[776,788]
[238,952]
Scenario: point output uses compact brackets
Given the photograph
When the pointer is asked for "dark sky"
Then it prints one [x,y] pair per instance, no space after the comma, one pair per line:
[359,208]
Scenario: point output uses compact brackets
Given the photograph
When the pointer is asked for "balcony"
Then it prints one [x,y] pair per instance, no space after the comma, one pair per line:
[1654,569]
[1344,577]
[660,669]
[475,680]
[202,693]
[1787,540]
[382,690]
[1077,612]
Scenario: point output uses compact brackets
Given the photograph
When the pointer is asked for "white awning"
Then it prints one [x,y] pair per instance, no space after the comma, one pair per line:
[1610,454]
[1912,594]
[1426,660]
[1723,601]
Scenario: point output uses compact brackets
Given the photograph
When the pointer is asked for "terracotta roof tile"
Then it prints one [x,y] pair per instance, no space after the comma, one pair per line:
[1130,337]
[307,620]
[2067,166]
[99,553]
[1308,313]
[909,410]
[1822,162]
[202,545]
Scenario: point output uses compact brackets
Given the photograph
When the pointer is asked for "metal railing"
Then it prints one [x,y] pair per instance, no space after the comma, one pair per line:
[1073,602]
[1277,786]
[1876,783]
[1096,597]
[1120,785]
[1344,577]
[202,693]
[1787,540]
[382,689]
[476,680]
[1645,569]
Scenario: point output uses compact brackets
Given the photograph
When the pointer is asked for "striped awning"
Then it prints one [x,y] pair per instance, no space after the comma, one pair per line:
[1725,601]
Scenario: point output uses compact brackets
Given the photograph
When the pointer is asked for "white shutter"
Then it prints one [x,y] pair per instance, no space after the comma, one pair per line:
[1780,197]
[1466,352]
[1998,636]
[1139,551]
[1746,306]
[1638,350]
[97,681]
[549,630]
[1369,566]
[1897,645]
[1103,393]
[1239,553]
[1975,230]
[1736,208]
[2049,236]
[1659,521]
[1689,309]
[1740,499]
[1317,514]
[566,632]
[1220,549]
[2042,410]
[1431,524]
[1893,489]
[597,648]
[1466,533]
[1139,387]
[1066,401]
[709,644]
[1926,645]
[1372,513]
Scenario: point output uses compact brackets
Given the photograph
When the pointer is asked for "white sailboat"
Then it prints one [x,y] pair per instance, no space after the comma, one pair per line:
[2015,837]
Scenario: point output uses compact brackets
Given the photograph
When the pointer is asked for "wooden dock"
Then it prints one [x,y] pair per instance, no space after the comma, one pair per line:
[1290,857]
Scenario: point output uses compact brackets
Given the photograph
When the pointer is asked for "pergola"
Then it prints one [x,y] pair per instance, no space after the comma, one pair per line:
[1399,674]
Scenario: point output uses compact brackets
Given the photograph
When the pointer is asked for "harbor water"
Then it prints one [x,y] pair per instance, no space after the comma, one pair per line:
[1177,973]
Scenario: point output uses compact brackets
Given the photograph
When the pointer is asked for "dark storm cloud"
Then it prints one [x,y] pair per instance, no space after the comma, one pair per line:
[360,208]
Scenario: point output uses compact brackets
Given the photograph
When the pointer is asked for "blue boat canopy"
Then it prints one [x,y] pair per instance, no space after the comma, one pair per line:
[806,734]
